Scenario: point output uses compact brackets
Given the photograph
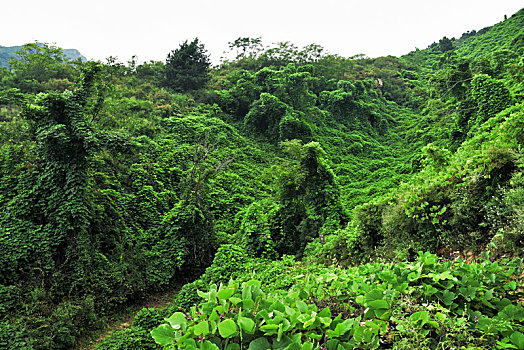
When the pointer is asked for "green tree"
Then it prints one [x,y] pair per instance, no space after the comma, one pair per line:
[187,68]
[41,67]
[309,195]
[241,91]
[307,205]
[445,44]
[246,47]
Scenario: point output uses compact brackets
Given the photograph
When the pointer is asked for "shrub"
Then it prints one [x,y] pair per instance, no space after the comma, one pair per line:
[430,301]
[290,127]
[148,318]
[228,263]
[129,339]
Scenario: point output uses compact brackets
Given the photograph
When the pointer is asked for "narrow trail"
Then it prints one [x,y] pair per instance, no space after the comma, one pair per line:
[124,319]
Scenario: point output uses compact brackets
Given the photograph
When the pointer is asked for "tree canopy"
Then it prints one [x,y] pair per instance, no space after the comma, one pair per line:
[187,68]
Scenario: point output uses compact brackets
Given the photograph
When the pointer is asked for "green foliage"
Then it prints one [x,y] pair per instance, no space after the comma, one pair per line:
[260,228]
[246,47]
[293,128]
[41,67]
[129,339]
[503,35]
[149,318]
[445,44]
[307,205]
[228,263]
[116,187]
[458,200]
[368,306]
[11,97]
[13,336]
[187,296]
[177,244]
[491,95]
[349,104]
[187,67]
[265,115]
[241,91]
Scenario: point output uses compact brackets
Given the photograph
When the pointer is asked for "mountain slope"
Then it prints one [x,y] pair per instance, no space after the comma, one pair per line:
[113,186]
[505,35]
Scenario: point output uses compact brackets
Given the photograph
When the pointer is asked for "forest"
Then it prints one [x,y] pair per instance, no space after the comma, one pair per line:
[291,198]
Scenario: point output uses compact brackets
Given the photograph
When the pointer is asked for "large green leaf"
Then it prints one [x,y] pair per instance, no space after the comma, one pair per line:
[209,346]
[248,304]
[178,321]
[517,338]
[282,343]
[227,328]
[421,317]
[246,324]
[201,328]
[226,293]
[259,344]
[301,306]
[235,300]
[378,304]
[307,346]
[374,294]
[468,292]
[513,312]
[447,297]
[341,329]
[163,334]
[310,322]
[332,344]
[325,313]
[442,276]
[269,327]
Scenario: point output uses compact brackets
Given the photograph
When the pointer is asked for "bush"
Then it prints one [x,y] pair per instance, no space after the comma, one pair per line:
[14,337]
[148,318]
[423,302]
[129,339]
[290,127]
[229,262]
[187,296]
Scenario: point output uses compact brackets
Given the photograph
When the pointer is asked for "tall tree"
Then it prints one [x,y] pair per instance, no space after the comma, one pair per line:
[246,47]
[187,67]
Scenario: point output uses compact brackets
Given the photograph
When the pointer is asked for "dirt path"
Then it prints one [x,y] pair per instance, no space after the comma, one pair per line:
[123,320]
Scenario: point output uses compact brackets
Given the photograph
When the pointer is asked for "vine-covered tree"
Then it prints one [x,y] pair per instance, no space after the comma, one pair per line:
[187,67]
[491,95]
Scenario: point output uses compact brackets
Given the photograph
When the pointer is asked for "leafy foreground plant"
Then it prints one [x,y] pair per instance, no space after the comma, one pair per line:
[431,303]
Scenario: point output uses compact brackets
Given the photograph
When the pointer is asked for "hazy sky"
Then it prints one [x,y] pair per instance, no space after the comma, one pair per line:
[150,29]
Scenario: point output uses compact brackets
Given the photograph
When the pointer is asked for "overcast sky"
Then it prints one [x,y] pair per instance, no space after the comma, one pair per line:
[150,29]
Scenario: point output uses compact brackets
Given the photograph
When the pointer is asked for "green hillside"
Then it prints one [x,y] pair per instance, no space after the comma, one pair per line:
[506,35]
[300,200]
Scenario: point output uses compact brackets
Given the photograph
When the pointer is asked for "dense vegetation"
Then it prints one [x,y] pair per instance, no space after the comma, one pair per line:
[8,53]
[312,200]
